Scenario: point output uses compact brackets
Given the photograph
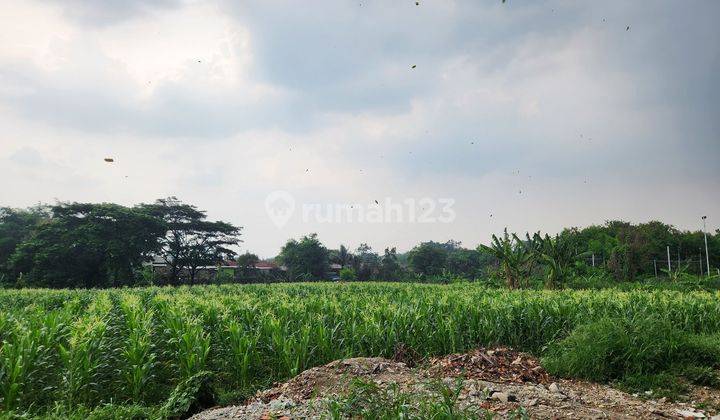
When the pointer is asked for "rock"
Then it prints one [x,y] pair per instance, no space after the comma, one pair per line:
[280,404]
[500,396]
[690,414]
[503,397]
[555,388]
[531,402]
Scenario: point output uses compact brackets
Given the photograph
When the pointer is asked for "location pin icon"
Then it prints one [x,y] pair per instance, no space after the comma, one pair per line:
[280,206]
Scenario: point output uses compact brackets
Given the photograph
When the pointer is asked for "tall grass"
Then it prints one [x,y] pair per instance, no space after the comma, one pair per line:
[135,347]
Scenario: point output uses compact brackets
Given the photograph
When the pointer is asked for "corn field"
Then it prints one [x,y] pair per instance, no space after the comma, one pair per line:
[88,348]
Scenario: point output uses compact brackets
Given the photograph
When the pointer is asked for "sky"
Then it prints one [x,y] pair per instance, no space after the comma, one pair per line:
[465,117]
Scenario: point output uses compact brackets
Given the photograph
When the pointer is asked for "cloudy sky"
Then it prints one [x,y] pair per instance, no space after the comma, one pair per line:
[532,115]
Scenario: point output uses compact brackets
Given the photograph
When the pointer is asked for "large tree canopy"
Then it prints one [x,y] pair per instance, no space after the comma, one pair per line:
[306,259]
[191,241]
[87,245]
[16,226]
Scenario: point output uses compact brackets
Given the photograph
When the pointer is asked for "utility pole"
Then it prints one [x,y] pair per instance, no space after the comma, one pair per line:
[655,266]
[668,252]
[593,260]
[707,256]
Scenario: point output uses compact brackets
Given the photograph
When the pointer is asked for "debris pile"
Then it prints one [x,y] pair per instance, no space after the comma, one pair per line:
[498,365]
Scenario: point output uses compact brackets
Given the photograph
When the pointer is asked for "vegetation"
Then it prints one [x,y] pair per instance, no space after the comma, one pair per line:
[305,259]
[173,350]
[87,245]
[105,245]
[166,352]
[366,400]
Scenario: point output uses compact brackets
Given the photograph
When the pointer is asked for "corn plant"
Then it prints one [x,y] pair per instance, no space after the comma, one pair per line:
[138,349]
[81,360]
[95,348]
[242,347]
[190,343]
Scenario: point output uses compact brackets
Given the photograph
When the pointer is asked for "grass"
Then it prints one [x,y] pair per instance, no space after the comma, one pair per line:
[173,350]
[367,400]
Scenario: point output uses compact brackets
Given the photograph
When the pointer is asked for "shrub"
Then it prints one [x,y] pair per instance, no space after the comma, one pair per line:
[347,274]
[612,348]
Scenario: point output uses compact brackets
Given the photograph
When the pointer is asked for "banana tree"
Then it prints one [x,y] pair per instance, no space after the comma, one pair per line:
[557,255]
[513,256]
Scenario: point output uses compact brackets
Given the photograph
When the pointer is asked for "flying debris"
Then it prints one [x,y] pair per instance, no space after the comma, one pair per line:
[417,3]
[627,29]
[376,202]
[307,170]
[109,160]
[414,65]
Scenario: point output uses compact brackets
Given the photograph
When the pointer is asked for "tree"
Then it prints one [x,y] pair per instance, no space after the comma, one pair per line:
[190,241]
[556,253]
[16,226]
[208,245]
[366,263]
[344,257]
[246,264]
[305,259]
[87,245]
[513,256]
[390,268]
[428,258]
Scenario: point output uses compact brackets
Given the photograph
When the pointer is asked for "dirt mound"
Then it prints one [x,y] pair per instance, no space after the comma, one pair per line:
[498,382]
[497,365]
[335,376]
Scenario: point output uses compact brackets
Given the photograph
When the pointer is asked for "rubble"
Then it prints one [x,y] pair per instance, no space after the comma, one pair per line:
[500,381]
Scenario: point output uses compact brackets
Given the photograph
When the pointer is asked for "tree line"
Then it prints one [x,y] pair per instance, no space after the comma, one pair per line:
[86,245]
[71,245]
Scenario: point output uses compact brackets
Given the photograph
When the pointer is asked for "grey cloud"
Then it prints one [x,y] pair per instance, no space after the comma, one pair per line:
[345,58]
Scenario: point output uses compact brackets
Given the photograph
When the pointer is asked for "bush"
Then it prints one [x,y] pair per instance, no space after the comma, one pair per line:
[347,274]
[703,350]
[660,384]
[700,375]
[612,348]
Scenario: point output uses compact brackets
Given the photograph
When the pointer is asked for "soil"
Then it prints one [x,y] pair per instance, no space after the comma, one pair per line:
[498,380]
